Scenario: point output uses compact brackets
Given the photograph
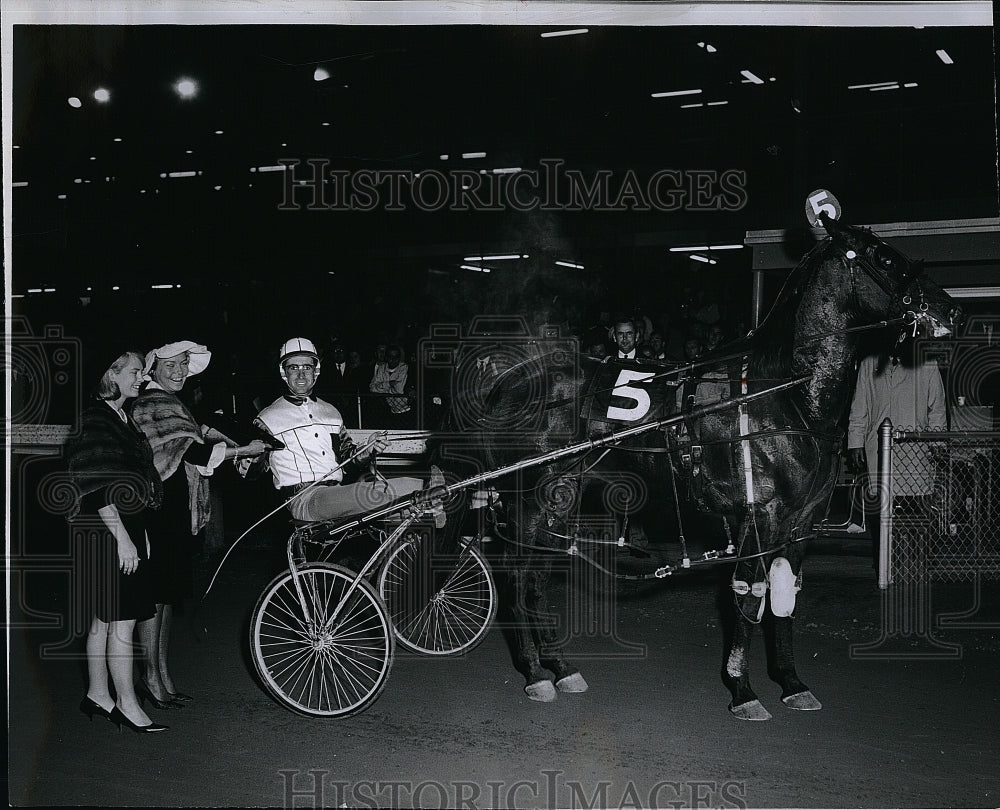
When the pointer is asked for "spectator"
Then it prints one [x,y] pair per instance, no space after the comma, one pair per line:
[390,378]
[716,337]
[626,337]
[692,349]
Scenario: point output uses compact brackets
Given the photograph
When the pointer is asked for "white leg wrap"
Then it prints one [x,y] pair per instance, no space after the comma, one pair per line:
[784,586]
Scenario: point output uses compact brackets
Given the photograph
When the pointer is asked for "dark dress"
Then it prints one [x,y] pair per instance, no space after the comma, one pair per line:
[175,436]
[112,464]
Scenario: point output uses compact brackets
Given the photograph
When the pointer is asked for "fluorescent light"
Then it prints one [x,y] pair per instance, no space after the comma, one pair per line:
[688,249]
[691,106]
[725,247]
[74,102]
[162,286]
[716,103]
[708,48]
[280,168]
[101,94]
[443,157]
[60,196]
[477,269]
[751,77]
[887,87]
[34,289]
[218,132]
[498,258]
[116,288]
[117,140]
[699,258]
[942,54]
[470,155]
[571,265]
[19,184]
[181,174]
[567,33]
[910,84]
[510,170]
[869,86]
[321,74]
[963,292]
[669,93]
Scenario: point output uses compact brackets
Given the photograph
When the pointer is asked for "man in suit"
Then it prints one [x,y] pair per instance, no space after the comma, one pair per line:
[626,337]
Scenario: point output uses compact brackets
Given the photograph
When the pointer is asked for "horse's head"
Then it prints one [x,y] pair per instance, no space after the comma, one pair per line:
[884,282]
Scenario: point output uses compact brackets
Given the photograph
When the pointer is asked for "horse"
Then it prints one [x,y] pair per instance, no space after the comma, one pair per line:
[767,466]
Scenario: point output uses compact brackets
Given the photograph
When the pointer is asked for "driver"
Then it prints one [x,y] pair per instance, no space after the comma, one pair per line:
[315,444]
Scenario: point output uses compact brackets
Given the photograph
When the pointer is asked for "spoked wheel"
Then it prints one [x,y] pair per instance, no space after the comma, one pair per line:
[440,604]
[323,667]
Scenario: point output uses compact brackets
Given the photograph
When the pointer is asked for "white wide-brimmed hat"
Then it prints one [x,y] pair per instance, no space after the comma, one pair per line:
[198,356]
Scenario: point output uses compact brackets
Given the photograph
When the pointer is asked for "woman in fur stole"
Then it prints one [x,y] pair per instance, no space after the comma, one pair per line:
[117,486]
[184,460]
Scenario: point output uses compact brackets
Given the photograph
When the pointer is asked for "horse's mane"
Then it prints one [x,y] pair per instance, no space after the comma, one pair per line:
[770,344]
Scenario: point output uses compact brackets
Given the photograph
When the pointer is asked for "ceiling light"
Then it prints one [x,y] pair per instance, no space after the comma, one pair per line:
[477,269]
[497,258]
[217,188]
[942,54]
[470,155]
[868,86]
[716,103]
[19,184]
[35,289]
[102,95]
[321,74]
[688,249]
[279,168]
[116,288]
[725,247]
[60,196]
[162,286]
[326,123]
[180,174]
[708,48]
[443,157]
[567,33]
[570,265]
[691,106]
[186,88]
[910,84]
[884,87]
[74,102]
[751,78]
[117,140]
[668,93]
[699,258]
[510,170]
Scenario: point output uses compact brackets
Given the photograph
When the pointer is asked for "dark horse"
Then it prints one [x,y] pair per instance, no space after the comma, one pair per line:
[766,467]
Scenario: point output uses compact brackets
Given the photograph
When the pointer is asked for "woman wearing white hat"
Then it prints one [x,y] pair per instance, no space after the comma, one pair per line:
[184,460]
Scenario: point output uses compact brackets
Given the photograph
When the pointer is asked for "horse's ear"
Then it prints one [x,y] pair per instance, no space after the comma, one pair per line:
[831,225]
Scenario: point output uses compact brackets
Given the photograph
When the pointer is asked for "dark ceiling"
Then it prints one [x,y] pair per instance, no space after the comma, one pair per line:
[400,97]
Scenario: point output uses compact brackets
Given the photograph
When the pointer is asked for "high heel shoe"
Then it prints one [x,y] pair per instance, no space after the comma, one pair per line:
[120,720]
[179,697]
[143,693]
[90,708]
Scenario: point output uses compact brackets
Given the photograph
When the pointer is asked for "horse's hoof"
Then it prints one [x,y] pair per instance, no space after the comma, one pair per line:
[750,711]
[803,701]
[542,691]
[572,683]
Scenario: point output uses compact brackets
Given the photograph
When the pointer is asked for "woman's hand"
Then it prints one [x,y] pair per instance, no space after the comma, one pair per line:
[128,557]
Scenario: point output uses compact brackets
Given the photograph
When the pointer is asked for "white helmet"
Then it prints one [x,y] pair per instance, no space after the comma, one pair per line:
[296,346]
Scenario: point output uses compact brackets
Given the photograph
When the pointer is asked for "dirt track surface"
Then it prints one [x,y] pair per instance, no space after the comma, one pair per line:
[653,729]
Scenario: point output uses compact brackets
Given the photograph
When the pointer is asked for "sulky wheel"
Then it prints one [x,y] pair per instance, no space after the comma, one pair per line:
[440,604]
[326,666]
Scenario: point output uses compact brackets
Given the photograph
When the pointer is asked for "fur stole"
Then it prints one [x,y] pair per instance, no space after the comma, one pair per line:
[169,426]
[109,452]
[171,430]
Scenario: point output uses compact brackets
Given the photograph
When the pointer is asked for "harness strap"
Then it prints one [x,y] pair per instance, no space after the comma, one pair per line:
[744,422]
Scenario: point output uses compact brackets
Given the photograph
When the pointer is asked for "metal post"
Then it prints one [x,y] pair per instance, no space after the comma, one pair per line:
[758,298]
[885,502]
[359,411]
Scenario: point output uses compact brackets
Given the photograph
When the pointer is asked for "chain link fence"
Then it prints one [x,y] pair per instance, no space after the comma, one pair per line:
[944,491]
